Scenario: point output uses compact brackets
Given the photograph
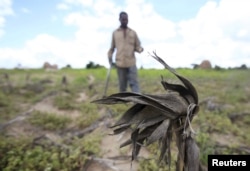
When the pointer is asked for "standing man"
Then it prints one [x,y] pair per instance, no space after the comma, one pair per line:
[126,42]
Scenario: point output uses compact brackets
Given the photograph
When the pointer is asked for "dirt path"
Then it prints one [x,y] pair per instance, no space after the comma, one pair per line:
[113,158]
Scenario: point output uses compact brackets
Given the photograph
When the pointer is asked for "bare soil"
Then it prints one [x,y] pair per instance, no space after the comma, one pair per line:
[113,158]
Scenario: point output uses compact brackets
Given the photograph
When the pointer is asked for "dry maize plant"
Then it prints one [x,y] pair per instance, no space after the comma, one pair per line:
[163,118]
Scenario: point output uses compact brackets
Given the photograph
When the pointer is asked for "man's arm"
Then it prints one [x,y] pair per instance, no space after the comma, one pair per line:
[111,50]
[138,47]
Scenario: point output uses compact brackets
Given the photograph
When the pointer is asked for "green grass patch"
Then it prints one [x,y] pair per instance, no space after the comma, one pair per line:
[49,121]
[23,155]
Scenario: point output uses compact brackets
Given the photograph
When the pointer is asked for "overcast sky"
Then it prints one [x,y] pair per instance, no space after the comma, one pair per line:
[75,32]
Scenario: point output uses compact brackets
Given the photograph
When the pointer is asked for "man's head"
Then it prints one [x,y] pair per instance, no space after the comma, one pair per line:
[123,18]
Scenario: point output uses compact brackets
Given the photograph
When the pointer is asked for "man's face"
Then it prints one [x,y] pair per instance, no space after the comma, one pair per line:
[124,20]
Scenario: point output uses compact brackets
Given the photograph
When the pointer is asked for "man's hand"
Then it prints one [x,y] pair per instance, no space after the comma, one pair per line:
[141,50]
[110,60]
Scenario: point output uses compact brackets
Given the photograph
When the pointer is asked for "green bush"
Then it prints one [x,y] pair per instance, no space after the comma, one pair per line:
[24,155]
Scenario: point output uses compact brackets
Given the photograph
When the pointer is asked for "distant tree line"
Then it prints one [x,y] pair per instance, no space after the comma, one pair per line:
[92,65]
